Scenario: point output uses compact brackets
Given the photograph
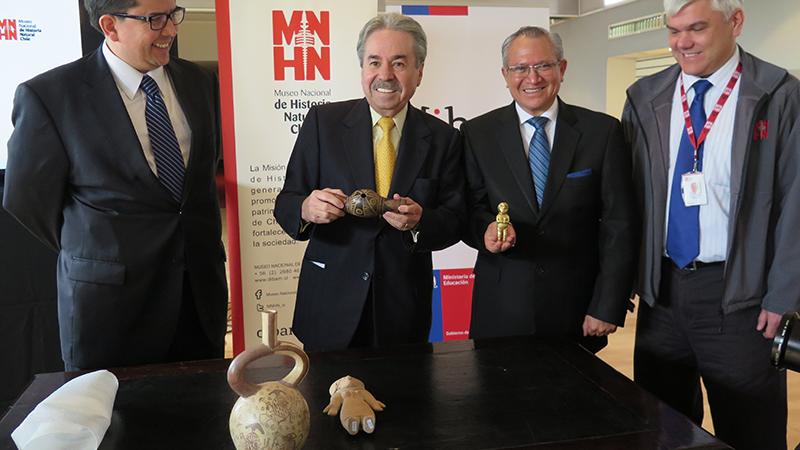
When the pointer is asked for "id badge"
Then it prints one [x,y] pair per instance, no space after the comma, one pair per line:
[693,189]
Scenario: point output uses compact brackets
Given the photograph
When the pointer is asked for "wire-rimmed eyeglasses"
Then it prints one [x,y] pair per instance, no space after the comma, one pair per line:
[523,70]
[158,21]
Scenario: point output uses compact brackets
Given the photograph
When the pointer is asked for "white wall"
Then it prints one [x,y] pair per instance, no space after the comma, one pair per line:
[771,33]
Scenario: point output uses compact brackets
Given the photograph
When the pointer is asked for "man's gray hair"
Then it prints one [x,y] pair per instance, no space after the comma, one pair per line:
[726,7]
[533,32]
[396,22]
[98,8]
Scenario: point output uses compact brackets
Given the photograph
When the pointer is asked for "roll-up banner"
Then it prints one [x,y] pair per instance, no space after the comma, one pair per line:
[277,58]
[35,36]
[462,80]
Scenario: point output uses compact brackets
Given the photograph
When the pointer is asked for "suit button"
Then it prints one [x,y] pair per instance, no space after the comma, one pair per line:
[540,270]
[365,276]
[540,233]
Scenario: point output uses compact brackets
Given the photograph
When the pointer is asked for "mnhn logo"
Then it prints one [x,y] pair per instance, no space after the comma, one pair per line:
[306,37]
[8,30]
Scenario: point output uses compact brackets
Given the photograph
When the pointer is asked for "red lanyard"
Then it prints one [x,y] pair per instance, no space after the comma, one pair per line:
[697,142]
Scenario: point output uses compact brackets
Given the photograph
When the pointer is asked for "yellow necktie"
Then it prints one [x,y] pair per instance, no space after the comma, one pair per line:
[385,156]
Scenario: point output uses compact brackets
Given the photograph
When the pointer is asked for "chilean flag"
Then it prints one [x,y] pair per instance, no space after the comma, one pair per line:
[423,10]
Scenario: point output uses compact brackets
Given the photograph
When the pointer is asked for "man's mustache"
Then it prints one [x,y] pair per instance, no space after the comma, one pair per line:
[391,85]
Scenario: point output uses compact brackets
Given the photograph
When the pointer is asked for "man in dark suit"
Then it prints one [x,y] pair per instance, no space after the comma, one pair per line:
[368,282]
[718,270]
[120,182]
[566,265]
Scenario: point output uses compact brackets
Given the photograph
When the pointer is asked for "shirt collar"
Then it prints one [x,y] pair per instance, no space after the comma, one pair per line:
[720,77]
[399,118]
[129,79]
[551,113]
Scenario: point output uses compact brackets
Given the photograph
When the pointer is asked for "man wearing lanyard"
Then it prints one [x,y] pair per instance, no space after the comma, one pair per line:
[714,141]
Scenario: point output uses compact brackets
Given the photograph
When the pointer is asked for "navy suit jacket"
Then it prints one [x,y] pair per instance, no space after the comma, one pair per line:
[574,255]
[78,180]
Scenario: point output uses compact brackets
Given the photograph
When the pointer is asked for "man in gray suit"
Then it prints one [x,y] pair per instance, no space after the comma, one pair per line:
[112,163]
[718,189]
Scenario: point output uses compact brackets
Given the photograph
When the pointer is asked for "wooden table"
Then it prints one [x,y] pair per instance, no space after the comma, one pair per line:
[499,393]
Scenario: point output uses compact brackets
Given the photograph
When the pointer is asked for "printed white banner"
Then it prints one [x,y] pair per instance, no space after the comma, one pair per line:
[462,76]
[35,36]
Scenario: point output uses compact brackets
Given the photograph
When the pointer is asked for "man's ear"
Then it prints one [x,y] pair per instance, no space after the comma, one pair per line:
[108,24]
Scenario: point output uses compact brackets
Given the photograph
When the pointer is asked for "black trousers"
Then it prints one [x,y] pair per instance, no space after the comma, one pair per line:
[685,336]
[191,342]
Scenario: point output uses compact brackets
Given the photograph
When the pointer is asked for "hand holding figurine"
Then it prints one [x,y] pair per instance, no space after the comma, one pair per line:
[357,405]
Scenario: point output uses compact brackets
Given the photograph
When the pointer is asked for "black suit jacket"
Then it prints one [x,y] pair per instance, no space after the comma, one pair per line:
[77,179]
[356,257]
[575,255]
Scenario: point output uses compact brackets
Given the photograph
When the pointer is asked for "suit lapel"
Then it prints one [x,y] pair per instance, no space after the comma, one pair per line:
[661,108]
[111,118]
[509,141]
[562,154]
[183,92]
[413,148]
[357,144]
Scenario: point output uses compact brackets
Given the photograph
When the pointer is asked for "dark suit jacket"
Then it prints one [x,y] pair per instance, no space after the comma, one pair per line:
[575,255]
[367,256]
[78,180]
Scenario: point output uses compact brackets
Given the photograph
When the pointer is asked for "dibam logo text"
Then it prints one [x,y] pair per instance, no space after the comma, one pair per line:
[302,43]
[18,30]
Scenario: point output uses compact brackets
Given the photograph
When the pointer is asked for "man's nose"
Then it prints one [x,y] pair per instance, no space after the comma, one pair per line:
[533,75]
[386,72]
[170,29]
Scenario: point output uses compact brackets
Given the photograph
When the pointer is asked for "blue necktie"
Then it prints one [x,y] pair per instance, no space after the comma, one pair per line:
[683,230]
[169,160]
[539,156]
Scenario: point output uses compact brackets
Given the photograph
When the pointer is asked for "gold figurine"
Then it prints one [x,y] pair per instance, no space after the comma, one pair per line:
[503,219]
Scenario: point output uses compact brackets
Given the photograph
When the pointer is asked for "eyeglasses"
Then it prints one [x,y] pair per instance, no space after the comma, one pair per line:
[158,21]
[523,70]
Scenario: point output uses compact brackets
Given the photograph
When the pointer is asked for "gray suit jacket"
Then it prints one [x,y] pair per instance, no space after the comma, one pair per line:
[78,180]
[763,262]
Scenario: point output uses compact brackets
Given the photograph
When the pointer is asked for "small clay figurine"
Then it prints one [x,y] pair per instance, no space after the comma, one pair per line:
[356,403]
[502,219]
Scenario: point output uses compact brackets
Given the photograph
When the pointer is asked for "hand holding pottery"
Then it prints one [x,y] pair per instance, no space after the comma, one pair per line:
[367,203]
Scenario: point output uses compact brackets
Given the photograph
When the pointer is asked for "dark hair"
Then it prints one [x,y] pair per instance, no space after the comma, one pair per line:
[98,8]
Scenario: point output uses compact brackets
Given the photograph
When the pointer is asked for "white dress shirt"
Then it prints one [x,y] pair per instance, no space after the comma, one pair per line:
[526,130]
[394,135]
[716,158]
[128,81]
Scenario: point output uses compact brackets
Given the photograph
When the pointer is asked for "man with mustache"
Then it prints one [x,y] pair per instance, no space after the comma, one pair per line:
[566,264]
[368,282]
[715,160]
[112,163]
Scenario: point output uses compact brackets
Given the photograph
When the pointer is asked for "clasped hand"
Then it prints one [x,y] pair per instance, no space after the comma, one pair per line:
[327,205]
[493,245]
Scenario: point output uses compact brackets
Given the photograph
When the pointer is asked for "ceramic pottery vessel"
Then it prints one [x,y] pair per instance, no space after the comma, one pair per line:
[273,414]
[367,203]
